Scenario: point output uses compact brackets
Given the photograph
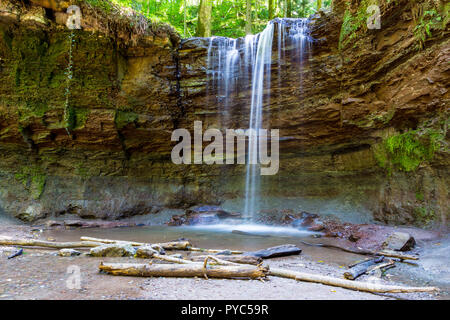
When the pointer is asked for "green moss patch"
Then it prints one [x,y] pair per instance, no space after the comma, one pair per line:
[406,151]
[123,118]
[424,216]
[33,179]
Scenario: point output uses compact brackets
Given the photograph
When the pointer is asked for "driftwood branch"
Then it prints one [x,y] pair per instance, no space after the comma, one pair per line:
[348,284]
[172,245]
[386,253]
[234,258]
[213,250]
[172,259]
[47,244]
[183,270]
[385,266]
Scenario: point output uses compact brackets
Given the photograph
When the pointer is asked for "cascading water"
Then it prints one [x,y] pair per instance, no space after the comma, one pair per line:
[223,65]
[261,76]
[232,61]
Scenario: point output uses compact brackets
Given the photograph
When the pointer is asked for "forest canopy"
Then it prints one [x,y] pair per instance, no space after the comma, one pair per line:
[229,18]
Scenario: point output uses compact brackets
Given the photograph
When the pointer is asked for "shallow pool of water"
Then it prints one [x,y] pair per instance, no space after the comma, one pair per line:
[245,237]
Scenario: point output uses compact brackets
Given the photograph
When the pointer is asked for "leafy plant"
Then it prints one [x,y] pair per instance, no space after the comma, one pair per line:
[429,16]
[408,150]
[352,22]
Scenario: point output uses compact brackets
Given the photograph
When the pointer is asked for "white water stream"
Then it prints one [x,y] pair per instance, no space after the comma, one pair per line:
[231,61]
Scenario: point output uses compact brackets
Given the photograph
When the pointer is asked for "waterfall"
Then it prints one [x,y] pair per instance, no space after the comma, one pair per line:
[261,76]
[232,61]
[223,65]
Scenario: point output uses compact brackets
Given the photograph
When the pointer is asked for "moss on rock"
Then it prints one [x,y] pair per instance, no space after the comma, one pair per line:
[408,150]
[33,179]
[123,118]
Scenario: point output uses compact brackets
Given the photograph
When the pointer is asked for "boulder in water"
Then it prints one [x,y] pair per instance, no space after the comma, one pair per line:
[399,241]
[199,215]
[113,250]
[273,252]
[146,252]
[68,253]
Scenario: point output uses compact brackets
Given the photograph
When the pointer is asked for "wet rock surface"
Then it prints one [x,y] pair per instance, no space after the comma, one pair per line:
[279,251]
[400,241]
[68,253]
[113,250]
[202,215]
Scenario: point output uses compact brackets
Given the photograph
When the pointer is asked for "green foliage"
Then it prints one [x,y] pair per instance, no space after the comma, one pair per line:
[424,216]
[430,20]
[32,108]
[228,17]
[408,150]
[419,196]
[81,115]
[33,179]
[352,22]
[123,118]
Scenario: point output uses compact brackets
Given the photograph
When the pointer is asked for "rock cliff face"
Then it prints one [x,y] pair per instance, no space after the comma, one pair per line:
[364,132]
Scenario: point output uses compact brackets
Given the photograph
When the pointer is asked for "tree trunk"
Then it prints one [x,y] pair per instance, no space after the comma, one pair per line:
[184,18]
[183,270]
[289,9]
[271,9]
[204,19]
[248,17]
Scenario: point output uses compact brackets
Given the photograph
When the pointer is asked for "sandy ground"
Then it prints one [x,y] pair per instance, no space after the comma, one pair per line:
[41,274]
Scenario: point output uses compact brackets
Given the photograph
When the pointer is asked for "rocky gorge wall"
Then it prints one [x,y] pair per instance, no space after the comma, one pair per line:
[364,133]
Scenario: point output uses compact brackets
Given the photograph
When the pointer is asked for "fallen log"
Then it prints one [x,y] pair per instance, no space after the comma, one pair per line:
[183,270]
[172,259]
[385,266]
[386,253]
[348,284]
[398,255]
[361,268]
[172,245]
[203,260]
[351,265]
[243,259]
[213,250]
[47,244]
[278,251]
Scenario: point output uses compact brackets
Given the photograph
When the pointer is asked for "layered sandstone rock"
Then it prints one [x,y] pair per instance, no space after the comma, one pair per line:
[132,86]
